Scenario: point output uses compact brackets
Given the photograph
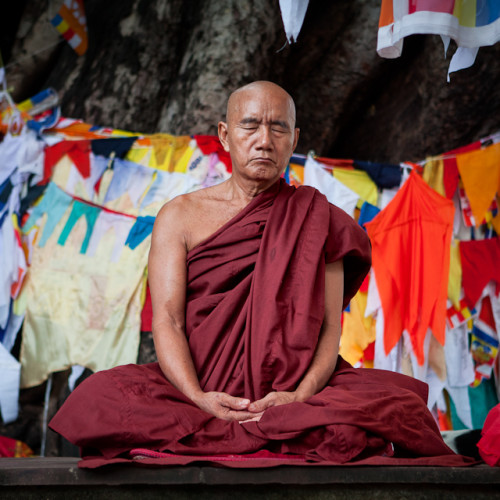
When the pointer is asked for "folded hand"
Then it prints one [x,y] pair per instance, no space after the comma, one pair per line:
[222,405]
[272,399]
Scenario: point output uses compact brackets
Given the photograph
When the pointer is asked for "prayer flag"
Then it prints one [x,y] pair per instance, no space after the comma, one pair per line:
[293,13]
[3,83]
[71,23]
[484,342]
[456,317]
[480,174]
[471,23]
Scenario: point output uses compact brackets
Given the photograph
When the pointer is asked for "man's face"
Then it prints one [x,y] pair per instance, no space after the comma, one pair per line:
[260,133]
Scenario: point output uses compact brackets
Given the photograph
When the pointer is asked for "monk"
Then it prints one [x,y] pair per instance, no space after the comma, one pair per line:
[248,280]
[260,135]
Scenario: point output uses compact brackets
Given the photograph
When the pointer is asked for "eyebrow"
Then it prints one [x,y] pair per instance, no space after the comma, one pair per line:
[254,121]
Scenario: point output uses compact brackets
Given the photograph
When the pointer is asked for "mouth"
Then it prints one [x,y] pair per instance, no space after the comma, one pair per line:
[263,160]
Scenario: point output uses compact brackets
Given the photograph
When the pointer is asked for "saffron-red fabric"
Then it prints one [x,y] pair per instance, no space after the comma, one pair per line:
[479,259]
[489,444]
[147,313]
[255,304]
[78,151]
[411,241]
[13,448]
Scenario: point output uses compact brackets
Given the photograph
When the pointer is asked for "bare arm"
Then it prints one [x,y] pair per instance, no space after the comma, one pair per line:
[327,350]
[167,281]
[325,356]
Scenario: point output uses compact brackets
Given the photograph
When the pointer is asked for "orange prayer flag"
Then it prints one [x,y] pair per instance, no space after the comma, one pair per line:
[480,174]
[386,13]
[411,241]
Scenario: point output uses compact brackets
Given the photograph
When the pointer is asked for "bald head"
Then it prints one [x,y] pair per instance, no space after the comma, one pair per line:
[259,133]
[257,89]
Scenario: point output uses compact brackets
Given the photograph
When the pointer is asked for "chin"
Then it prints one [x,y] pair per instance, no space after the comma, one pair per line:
[264,172]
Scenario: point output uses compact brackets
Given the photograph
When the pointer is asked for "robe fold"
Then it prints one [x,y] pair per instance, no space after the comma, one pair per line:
[255,305]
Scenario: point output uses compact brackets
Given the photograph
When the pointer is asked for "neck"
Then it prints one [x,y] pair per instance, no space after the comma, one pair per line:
[246,190]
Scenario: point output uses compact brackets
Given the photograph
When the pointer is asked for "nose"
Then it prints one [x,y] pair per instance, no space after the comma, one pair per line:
[265,141]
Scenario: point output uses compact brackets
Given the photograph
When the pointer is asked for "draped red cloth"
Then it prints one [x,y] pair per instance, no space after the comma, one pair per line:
[255,303]
[489,444]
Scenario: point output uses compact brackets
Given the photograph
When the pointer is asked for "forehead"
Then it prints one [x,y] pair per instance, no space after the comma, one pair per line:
[262,104]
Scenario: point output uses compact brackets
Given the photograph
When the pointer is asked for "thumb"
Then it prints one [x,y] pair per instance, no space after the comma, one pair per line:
[261,404]
[236,403]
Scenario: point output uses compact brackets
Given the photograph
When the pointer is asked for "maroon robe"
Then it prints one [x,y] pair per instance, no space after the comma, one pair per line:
[255,305]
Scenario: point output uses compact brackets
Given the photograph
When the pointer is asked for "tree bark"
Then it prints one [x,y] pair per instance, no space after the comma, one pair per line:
[169,66]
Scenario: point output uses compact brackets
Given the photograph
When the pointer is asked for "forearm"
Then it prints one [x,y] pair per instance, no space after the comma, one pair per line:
[322,365]
[175,360]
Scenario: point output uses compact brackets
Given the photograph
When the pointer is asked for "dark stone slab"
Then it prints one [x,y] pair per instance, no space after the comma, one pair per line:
[61,477]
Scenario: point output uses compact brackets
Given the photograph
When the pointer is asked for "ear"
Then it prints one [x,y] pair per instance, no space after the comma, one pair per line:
[222,129]
[296,133]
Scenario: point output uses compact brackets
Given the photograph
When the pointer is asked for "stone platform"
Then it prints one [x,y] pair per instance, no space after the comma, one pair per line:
[60,478]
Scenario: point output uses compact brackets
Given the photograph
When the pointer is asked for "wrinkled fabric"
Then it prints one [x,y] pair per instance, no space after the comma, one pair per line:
[210,144]
[142,228]
[411,241]
[471,24]
[455,276]
[479,259]
[384,175]
[359,182]
[433,174]
[167,186]
[78,151]
[119,146]
[54,203]
[255,305]
[167,151]
[76,185]
[336,193]
[480,174]
[489,444]
[451,177]
[128,178]
[80,309]
[109,222]
[367,213]
[78,210]
[358,331]
[10,152]
[12,448]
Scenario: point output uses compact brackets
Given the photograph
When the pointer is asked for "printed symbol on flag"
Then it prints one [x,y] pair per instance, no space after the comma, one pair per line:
[457,317]
[71,23]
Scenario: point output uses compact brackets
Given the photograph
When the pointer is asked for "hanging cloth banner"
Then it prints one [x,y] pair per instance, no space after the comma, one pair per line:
[293,13]
[71,23]
[411,241]
[480,174]
[3,82]
[472,24]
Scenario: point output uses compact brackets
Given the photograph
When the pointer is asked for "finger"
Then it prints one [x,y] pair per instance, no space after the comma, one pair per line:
[241,416]
[235,403]
[262,404]
[254,419]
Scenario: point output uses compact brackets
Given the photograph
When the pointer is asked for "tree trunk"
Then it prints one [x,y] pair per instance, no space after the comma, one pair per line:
[169,66]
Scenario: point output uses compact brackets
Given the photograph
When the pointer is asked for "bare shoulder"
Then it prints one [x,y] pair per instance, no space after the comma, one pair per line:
[170,223]
[187,218]
[182,208]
